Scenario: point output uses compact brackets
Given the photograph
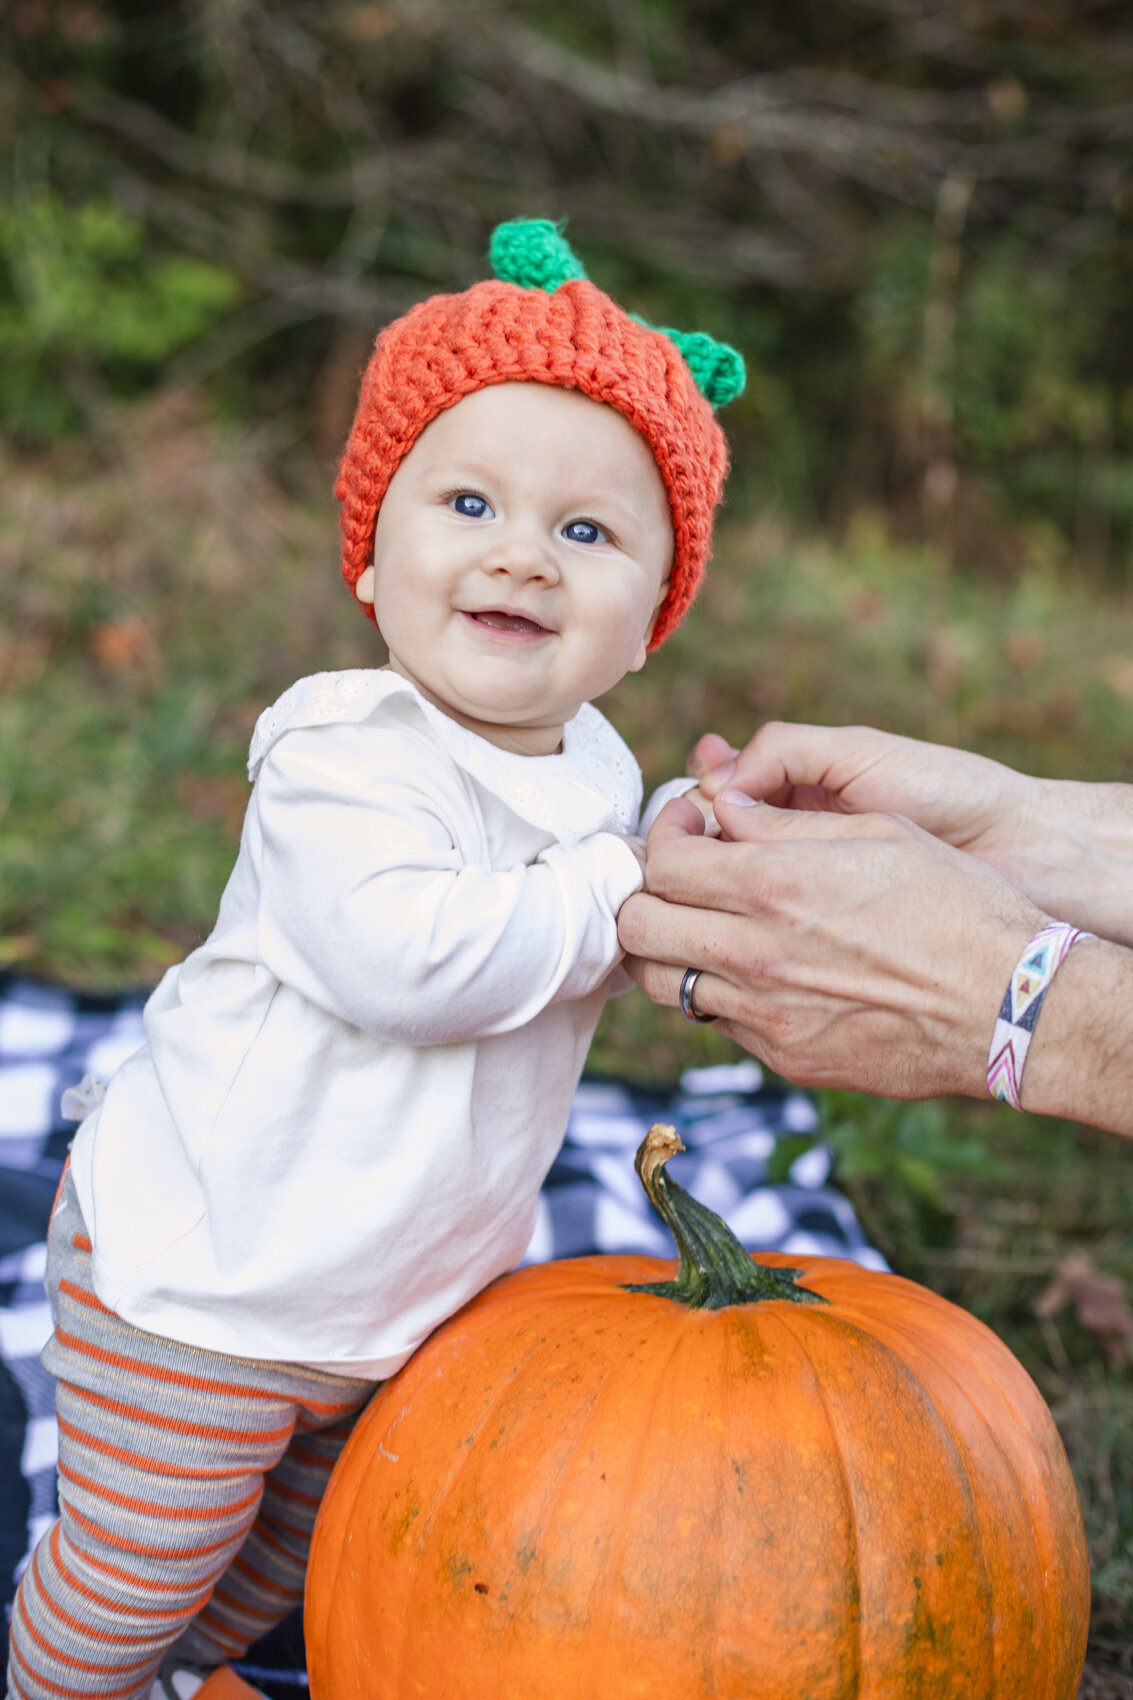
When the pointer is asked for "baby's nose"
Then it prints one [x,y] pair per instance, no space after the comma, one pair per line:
[521,556]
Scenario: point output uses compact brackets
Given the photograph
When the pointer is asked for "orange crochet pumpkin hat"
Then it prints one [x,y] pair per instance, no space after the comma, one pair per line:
[541,321]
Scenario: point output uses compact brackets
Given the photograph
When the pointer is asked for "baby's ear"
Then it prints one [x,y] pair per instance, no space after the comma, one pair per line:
[364,586]
[662,598]
[639,659]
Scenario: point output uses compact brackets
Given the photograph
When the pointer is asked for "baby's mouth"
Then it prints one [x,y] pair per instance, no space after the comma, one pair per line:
[500,621]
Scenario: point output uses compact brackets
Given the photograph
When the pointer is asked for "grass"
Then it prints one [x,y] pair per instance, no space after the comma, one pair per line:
[162,584]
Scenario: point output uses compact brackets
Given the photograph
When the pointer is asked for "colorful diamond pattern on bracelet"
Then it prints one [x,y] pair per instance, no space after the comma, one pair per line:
[1026,989]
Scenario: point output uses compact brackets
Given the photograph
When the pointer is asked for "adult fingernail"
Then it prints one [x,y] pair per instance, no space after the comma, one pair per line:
[720,775]
[738,799]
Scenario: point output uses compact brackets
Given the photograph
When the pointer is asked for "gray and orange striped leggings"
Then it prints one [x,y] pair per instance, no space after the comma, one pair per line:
[188,1487]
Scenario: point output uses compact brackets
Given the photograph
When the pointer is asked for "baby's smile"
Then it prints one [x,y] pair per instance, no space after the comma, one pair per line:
[508,622]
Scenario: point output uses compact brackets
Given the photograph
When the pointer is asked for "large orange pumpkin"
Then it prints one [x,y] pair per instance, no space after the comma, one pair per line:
[591,1486]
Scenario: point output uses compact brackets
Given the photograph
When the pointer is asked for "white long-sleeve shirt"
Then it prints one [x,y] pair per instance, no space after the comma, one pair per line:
[352,1091]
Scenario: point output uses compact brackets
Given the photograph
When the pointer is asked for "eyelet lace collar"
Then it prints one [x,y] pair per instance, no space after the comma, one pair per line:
[592,785]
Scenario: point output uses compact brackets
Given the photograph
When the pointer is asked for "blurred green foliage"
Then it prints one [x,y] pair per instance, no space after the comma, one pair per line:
[85,293]
[904,1152]
[1030,395]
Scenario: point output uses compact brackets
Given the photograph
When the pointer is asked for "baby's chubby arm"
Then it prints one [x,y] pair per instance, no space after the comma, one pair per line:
[370,908]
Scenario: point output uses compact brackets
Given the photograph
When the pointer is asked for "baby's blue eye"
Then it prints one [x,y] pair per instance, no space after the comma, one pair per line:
[584,531]
[470,505]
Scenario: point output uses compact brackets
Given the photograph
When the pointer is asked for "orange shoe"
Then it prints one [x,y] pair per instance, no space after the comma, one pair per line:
[178,1680]
[224,1684]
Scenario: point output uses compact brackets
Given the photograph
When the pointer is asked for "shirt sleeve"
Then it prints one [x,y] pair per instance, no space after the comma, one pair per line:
[370,909]
[663,794]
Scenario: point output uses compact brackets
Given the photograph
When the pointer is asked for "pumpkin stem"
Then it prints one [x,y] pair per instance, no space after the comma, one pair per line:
[715,1269]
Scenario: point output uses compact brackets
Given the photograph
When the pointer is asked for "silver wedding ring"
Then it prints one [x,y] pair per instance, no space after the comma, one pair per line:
[688,986]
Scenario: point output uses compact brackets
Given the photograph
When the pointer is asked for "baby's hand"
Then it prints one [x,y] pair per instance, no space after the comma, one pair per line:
[679,788]
[704,804]
[712,760]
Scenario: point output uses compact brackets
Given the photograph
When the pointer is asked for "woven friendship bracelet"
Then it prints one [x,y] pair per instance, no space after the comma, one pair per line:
[1026,989]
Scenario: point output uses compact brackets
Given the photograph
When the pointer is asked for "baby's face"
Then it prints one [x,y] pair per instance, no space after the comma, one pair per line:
[521,556]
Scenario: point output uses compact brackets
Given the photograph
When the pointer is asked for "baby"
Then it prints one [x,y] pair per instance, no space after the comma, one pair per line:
[352,1091]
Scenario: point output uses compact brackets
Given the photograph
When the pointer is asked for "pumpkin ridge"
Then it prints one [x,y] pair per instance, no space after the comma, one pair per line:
[339,1482]
[364,1490]
[1042,1568]
[1017,1416]
[538,1359]
[604,1585]
[616,1556]
[885,1319]
[442,1490]
[336,1592]
[418,1572]
[802,1347]
[604,1588]
[439,1491]
[400,1660]
[910,1379]
[910,1338]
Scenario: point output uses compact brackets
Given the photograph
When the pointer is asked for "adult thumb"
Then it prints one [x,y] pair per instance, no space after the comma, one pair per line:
[744,818]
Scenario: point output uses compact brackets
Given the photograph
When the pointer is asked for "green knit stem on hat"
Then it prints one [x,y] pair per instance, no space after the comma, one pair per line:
[717,367]
[534,254]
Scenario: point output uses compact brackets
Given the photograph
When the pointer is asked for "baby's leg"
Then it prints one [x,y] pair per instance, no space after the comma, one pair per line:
[265,1579]
[163,1454]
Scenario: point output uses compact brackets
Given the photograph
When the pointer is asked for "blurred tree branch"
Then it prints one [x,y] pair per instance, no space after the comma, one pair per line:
[312,111]
[337,160]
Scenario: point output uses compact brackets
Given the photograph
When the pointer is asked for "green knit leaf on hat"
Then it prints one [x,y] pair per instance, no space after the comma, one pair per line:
[533,253]
[717,367]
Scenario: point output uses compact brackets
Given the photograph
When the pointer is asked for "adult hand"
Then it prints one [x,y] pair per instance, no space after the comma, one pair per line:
[1068,846]
[964,799]
[849,950]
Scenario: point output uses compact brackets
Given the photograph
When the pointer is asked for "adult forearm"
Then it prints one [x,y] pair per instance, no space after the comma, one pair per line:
[1080,1063]
[1072,853]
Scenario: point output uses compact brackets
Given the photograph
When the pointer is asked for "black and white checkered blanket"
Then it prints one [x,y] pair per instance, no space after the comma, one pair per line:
[591,1201]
